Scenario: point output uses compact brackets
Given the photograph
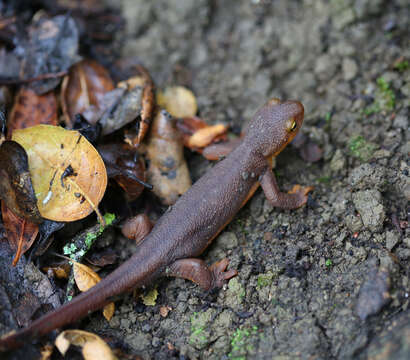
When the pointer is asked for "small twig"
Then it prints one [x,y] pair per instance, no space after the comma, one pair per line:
[12,81]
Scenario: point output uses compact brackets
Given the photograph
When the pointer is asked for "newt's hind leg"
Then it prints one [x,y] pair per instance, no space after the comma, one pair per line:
[292,200]
[197,271]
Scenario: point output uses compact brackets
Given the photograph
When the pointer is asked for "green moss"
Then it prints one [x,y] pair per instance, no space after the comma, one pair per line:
[199,329]
[240,345]
[324,179]
[329,263]
[385,99]
[361,149]
[401,66]
[265,280]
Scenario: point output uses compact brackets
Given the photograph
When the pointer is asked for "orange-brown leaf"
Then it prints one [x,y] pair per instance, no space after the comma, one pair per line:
[30,109]
[20,232]
[86,85]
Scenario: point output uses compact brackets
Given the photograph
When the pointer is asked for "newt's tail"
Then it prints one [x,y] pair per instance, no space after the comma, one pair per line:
[129,275]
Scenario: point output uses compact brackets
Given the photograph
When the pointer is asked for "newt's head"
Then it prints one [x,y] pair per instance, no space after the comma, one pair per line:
[274,126]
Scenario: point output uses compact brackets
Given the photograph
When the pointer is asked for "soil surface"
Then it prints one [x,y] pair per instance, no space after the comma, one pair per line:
[330,280]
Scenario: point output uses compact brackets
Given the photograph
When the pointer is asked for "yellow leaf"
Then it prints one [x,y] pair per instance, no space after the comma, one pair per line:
[108,311]
[68,174]
[85,277]
[178,101]
[93,347]
[150,298]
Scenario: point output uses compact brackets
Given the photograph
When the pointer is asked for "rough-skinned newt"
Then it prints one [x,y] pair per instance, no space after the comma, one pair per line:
[189,226]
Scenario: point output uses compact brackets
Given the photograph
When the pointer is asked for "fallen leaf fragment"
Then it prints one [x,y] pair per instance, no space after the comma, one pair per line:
[16,187]
[86,278]
[108,311]
[150,298]
[30,109]
[93,347]
[20,232]
[178,101]
[125,166]
[68,174]
[189,126]
[137,227]
[84,87]
[167,171]
[204,137]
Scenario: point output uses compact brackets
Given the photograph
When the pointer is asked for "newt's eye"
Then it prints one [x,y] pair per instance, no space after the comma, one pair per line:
[291,125]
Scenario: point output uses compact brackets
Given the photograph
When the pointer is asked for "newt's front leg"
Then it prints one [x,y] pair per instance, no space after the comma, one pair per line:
[292,200]
[197,271]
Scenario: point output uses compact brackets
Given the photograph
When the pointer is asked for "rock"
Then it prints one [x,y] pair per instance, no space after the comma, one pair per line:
[370,207]
[368,176]
[393,342]
[349,68]
[227,240]
[354,223]
[325,66]
[392,238]
[338,162]
[373,294]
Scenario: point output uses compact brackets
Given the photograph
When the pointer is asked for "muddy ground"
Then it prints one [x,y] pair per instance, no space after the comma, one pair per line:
[300,272]
[297,294]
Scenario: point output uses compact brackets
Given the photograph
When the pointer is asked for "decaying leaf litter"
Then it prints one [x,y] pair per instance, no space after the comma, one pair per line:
[61,177]
[345,49]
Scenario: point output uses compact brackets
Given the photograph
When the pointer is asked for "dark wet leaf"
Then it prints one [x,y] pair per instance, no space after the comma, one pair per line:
[124,110]
[49,46]
[26,308]
[125,166]
[15,182]
[102,258]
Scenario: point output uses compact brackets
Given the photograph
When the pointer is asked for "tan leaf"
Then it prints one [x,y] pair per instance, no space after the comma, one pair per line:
[86,278]
[68,174]
[108,311]
[178,101]
[204,137]
[93,347]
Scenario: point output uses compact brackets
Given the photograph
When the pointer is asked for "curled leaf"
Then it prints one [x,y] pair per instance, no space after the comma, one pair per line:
[16,187]
[178,101]
[85,87]
[137,227]
[68,174]
[93,347]
[86,278]
[205,136]
[167,171]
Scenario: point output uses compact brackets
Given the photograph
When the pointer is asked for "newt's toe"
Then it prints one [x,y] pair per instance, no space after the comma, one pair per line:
[219,273]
